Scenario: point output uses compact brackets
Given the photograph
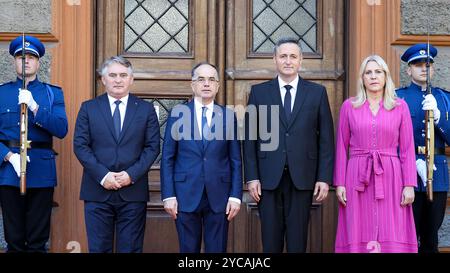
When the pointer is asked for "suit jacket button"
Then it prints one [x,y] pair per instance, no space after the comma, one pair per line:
[287,134]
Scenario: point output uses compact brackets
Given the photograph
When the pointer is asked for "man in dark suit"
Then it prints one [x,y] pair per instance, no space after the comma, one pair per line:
[284,176]
[116,140]
[201,180]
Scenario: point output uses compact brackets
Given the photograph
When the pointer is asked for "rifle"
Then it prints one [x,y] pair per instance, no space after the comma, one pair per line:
[429,127]
[24,142]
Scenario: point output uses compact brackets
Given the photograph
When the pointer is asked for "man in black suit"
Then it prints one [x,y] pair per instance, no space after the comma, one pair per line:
[296,162]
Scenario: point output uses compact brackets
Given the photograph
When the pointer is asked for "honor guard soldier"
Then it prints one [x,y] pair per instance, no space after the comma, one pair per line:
[428,215]
[26,218]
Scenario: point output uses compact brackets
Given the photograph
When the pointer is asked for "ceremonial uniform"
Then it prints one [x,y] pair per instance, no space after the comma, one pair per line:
[49,121]
[428,215]
[414,96]
[27,218]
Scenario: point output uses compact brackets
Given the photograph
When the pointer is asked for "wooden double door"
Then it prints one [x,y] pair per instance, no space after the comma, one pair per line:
[164,39]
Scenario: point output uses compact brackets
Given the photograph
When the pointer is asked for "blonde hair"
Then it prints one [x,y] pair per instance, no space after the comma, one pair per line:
[389,96]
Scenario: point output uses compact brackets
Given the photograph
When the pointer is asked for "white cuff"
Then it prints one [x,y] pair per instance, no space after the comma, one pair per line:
[236,200]
[104,178]
[169,198]
[33,106]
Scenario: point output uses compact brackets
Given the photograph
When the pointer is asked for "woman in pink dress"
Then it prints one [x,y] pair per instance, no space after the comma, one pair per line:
[375,169]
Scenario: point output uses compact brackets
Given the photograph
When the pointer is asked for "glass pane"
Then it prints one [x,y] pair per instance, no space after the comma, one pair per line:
[156,26]
[163,107]
[275,19]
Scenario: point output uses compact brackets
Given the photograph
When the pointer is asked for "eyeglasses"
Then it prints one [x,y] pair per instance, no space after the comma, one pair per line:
[203,80]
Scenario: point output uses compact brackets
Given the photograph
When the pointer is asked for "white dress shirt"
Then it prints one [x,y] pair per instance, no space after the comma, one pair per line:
[199,112]
[122,110]
[122,107]
[198,106]
[293,91]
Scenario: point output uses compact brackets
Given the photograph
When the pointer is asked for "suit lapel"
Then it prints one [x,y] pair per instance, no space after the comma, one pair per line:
[276,98]
[130,112]
[299,99]
[105,109]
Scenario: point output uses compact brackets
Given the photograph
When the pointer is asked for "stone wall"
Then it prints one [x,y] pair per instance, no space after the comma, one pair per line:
[418,14]
[37,13]
[420,17]
[38,20]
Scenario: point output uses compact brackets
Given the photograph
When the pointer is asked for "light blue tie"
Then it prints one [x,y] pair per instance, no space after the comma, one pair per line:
[116,119]
[205,127]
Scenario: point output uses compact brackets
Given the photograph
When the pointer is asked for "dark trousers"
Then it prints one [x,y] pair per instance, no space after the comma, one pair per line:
[115,219]
[284,214]
[428,217]
[203,221]
[26,219]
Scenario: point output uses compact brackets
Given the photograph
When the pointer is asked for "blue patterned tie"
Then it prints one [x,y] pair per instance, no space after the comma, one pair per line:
[116,119]
[287,101]
[205,128]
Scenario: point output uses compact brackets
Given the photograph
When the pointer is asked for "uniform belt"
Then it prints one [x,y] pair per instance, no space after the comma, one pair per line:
[420,150]
[33,144]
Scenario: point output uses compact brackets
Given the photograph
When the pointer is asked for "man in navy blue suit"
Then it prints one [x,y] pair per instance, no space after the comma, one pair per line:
[26,219]
[201,180]
[116,140]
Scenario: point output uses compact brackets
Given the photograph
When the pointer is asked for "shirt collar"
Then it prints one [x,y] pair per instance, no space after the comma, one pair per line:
[416,86]
[33,82]
[124,100]
[294,83]
[198,105]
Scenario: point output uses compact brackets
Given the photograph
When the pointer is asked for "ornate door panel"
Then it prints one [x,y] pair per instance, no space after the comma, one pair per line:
[165,38]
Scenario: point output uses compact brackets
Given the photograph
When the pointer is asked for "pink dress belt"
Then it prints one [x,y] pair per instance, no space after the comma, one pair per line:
[375,165]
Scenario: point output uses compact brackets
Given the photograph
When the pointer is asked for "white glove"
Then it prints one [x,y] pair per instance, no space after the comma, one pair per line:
[422,170]
[26,97]
[14,159]
[429,103]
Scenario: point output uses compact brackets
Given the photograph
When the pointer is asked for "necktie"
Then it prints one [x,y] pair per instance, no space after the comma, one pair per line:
[116,119]
[205,128]
[287,101]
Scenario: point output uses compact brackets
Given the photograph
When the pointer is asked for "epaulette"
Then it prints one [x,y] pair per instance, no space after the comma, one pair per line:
[445,99]
[6,83]
[400,90]
[51,85]
[438,88]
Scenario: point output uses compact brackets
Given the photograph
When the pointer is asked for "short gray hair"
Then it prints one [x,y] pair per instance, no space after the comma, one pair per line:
[287,40]
[115,59]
